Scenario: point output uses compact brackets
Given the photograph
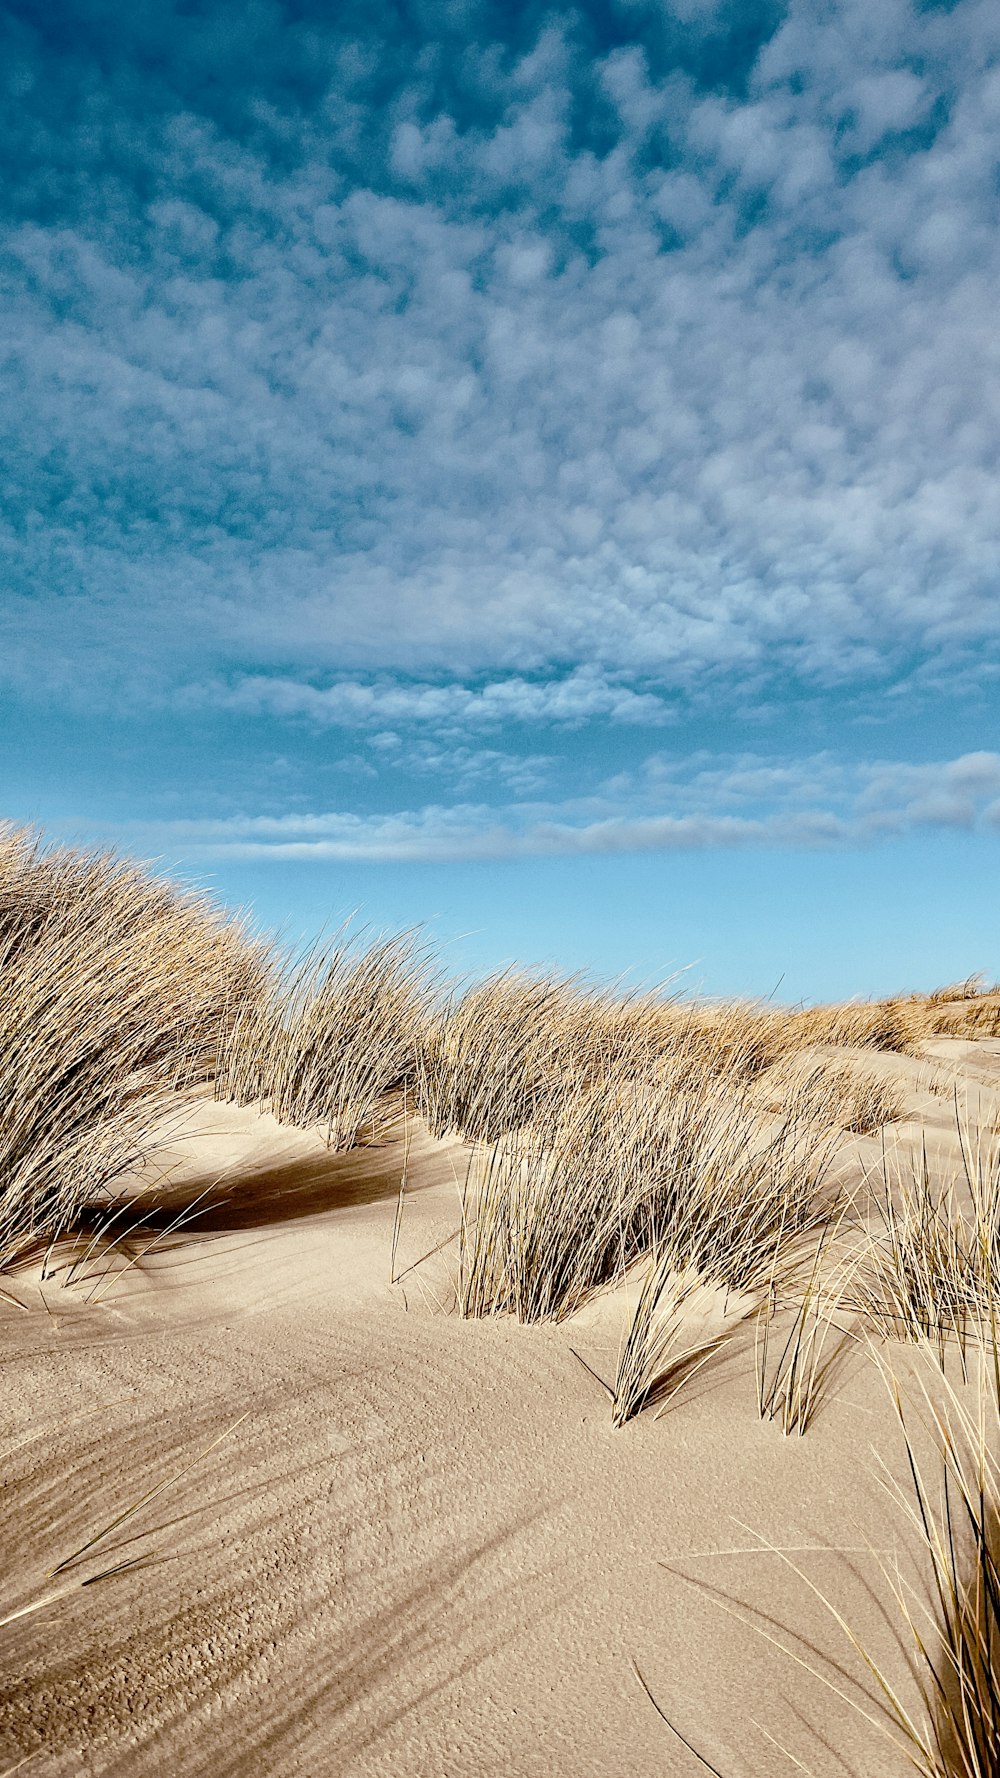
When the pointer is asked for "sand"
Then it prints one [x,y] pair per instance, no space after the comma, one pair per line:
[393,1542]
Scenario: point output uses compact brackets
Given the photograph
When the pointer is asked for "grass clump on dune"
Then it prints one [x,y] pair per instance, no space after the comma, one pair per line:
[671,1161]
[933,1263]
[114,987]
[839,1095]
[956,1639]
[487,1058]
[949,1614]
[330,1038]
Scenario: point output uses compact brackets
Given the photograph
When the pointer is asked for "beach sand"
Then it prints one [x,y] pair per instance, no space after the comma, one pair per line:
[390,1541]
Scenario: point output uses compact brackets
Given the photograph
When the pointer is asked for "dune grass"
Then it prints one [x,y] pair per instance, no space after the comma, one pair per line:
[663,1348]
[932,1270]
[613,1136]
[113,990]
[841,1095]
[672,1162]
[759,1208]
[948,1613]
[121,995]
[486,1059]
[331,1037]
[955,1518]
[490,1059]
[792,1378]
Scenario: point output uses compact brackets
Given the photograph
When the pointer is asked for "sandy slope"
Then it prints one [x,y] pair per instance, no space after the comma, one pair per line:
[422,1549]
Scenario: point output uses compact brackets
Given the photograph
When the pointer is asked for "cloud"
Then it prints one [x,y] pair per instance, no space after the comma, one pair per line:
[745,802]
[582,696]
[333,353]
[463,766]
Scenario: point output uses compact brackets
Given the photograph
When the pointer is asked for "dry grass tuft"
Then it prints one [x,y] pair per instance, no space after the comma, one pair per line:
[668,1340]
[487,1059]
[672,1162]
[972,988]
[952,1624]
[899,1025]
[791,1385]
[331,1038]
[490,1059]
[837,1095]
[956,1640]
[496,1057]
[869,1103]
[113,990]
[969,1017]
[932,1269]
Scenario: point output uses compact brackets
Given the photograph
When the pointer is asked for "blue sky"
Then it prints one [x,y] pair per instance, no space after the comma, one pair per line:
[527,469]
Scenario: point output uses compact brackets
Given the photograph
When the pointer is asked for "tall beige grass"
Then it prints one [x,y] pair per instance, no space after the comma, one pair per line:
[486,1059]
[933,1264]
[331,1038]
[490,1059]
[611,1126]
[949,1612]
[793,1376]
[671,1162]
[757,1207]
[113,990]
[955,1517]
[946,1606]
[667,1341]
[838,1095]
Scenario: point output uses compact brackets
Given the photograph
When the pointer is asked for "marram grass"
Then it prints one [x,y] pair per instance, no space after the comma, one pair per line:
[114,988]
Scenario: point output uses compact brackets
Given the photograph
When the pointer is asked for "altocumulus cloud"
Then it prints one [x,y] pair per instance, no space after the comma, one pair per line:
[517,355]
[669,804]
[581,696]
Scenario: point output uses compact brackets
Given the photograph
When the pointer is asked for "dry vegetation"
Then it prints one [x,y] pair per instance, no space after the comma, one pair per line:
[686,1148]
[330,1038]
[670,1163]
[955,1638]
[933,1265]
[608,1128]
[114,989]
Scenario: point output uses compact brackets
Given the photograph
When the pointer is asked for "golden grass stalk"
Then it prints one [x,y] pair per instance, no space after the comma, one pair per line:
[331,1038]
[957,1639]
[660,1353]
[113,989]
[933,1265]
[761,1213]
[952,1621]
[670,1161]
[791,1385]
[950,1615]
[838,1095]
[972,988]
[487,1060]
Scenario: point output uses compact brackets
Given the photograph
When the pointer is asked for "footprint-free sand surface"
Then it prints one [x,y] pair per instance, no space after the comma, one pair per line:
[389,1541]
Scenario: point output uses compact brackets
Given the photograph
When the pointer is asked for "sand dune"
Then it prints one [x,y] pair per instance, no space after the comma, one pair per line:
[419,1547]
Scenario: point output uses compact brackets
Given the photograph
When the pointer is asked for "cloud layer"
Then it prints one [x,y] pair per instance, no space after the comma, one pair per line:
[524,361]
[669,805]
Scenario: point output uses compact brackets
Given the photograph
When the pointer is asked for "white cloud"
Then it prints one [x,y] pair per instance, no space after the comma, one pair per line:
[584,695]
[683,805]
[468,409]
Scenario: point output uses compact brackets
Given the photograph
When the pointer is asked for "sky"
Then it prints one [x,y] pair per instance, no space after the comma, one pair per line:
[527,471]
